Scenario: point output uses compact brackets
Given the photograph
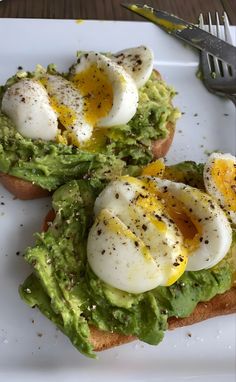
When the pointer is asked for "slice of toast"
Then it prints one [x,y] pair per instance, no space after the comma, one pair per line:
[25,190]
[221,304]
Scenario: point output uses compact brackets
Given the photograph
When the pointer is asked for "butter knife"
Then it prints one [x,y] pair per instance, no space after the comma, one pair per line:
[187,32]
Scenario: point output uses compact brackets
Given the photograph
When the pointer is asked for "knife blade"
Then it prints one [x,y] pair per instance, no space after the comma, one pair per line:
[187,32]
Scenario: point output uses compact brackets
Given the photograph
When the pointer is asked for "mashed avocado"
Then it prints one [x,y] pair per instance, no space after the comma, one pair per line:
[122,149]
[65,289]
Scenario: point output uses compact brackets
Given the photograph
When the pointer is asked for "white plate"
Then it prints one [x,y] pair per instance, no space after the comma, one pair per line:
[30,346]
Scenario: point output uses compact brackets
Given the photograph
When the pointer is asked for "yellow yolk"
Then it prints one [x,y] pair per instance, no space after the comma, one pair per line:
[96,142]
[189,227]
[65,115]
[178,271]
[97,90]
[223,173]
[148,12]
[156,168]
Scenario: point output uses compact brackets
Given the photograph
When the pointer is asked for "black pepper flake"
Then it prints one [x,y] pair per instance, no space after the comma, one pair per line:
[20,67]
[189,335]
[17,253]
[176,264]
[39,334]
[206,241]
[117,195]
[144,227]
[99,231]
[136,244]
[2,204]
[103,251]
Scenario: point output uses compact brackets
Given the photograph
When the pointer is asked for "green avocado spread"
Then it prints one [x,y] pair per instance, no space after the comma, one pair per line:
[66,290]
[121,149]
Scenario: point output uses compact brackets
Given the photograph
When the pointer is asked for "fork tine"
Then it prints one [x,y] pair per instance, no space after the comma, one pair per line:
[218,31]
[201,21]
[228,37]
[210,23]
[213,59]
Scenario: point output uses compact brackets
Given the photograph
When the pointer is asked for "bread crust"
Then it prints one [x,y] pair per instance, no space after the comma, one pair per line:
[221,304]
[21,188]
[25,190]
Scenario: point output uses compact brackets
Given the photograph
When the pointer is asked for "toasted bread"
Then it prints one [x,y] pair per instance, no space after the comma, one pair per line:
[25,190]
[221,304]
[22,189]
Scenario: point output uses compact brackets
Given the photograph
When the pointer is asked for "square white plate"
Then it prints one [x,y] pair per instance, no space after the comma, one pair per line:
[30,346]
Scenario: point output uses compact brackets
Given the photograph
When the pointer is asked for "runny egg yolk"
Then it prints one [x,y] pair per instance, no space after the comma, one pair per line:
[223,173]
[189,226]
[97,91]
[65,114]
[156,168]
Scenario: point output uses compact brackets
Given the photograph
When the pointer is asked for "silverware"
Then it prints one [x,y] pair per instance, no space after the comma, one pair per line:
[187,32]
[217,75]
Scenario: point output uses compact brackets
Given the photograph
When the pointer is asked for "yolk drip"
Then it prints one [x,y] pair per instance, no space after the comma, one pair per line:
[148,12]
[97,91]
[185,221]
[223,173]
[156,168]
[96,142]
[66,116]
[189,226]
[178,271]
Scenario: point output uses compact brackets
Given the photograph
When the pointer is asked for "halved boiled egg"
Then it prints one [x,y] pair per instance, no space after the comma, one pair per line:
[220,181]
[138,62]
[192,209]
[110,92]
[148,231]
[101,92]
[27,104]
[69,105]
[133,244]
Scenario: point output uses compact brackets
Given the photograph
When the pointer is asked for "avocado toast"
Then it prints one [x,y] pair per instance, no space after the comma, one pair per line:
[32,167]
[96,315]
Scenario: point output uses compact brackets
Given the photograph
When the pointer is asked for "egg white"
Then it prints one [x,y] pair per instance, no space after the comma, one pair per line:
[67,97]
[229,183]
[138,62]
[27,104]
[216,235]
[133,245]
[125,93]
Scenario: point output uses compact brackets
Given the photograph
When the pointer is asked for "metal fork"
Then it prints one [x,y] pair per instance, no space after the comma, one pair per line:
[218,77]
